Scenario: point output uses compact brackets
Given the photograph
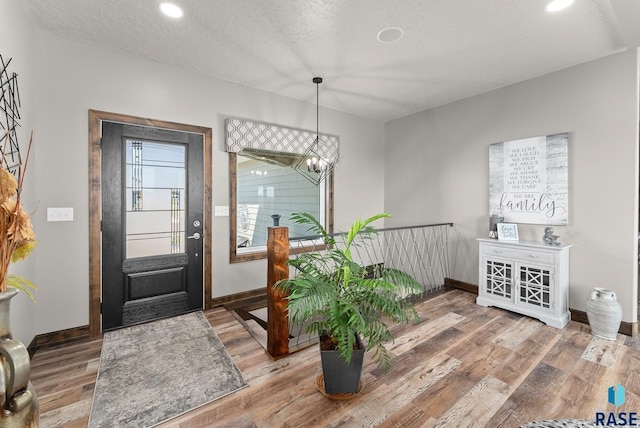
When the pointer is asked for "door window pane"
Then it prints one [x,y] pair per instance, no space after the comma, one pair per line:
[155,198]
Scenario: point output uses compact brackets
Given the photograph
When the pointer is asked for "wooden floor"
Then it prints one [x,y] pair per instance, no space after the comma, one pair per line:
[463,365]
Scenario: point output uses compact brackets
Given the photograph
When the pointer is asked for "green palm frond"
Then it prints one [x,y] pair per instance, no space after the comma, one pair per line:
[334,293]
[313,226]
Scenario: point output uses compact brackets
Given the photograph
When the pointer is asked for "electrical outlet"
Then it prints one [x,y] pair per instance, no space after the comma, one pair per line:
[221,211]
[59,214]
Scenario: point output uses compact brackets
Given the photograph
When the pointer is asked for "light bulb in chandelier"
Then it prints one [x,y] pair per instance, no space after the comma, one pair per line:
[316,165]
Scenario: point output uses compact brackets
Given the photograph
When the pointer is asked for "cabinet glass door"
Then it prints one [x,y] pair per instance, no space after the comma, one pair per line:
[499,278]
[535,286]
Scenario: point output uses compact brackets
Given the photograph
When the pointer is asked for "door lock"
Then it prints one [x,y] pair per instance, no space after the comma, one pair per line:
[194,236]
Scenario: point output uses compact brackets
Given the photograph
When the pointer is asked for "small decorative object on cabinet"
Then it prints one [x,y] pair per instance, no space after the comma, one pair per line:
[604,313]
[549,238]
[493,225]
[529,278]
[508,232]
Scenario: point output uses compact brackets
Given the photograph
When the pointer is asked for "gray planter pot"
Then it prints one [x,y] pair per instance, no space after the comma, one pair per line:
[340,377]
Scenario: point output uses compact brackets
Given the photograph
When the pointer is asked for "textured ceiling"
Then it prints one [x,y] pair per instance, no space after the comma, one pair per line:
[451,49]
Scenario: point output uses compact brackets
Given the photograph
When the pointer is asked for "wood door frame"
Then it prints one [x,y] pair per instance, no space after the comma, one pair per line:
[96,118]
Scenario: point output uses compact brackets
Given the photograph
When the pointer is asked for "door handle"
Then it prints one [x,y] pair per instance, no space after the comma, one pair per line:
[194,236]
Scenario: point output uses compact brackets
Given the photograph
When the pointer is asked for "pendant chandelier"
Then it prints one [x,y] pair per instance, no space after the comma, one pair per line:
[320,158]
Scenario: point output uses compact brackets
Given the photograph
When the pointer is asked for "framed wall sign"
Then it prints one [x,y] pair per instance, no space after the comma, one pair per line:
[507,232]
[528,180]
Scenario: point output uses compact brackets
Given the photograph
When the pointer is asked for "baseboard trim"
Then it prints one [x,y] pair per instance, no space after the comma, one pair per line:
[626,328]
[461,285]
[69,335]
[55,338]
[224,300]
[63,337]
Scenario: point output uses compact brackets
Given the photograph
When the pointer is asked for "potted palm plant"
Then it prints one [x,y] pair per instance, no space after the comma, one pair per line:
[346,303]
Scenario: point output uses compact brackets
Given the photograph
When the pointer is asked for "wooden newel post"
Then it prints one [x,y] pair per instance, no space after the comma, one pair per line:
[277,269]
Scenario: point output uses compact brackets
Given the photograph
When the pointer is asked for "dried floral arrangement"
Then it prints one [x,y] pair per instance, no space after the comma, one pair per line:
[17,238]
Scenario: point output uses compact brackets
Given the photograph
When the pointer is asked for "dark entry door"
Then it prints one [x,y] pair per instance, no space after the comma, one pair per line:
[152,208]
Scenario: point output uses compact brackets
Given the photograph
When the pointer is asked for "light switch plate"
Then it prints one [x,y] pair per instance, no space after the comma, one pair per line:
[221,211]
[59,214]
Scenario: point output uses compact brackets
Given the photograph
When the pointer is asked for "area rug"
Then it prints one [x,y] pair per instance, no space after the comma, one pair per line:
[153,372]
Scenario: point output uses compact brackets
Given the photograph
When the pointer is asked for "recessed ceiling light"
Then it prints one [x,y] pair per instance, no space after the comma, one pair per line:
[390,34]
[171,10]
[556,5]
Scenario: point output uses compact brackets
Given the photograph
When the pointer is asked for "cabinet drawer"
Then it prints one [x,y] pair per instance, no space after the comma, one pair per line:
[520,255]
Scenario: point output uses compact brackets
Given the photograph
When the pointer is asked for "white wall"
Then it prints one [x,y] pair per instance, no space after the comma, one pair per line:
[73,77]
[17,44]
[437,169]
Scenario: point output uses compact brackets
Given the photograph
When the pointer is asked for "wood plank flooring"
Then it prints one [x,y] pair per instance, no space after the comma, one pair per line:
[463,365]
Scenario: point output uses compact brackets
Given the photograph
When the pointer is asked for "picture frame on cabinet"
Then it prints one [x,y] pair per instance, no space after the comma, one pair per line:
[507,232]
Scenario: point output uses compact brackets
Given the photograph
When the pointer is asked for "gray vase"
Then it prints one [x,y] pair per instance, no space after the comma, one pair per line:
[604,313]
[18,401]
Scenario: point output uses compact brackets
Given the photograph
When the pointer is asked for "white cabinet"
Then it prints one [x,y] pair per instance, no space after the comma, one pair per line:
[530,278]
